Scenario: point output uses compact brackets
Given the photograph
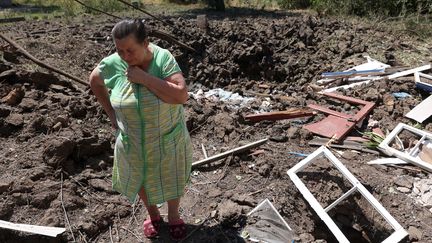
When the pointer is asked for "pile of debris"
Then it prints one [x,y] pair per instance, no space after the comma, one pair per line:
[414,148]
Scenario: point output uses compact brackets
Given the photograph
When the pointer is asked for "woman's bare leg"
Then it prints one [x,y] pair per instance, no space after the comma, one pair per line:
[173,210]
[152,210]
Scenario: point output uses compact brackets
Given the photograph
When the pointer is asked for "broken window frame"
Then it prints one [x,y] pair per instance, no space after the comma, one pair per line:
[420,84]
[399,232]
[409,157]
[273,208]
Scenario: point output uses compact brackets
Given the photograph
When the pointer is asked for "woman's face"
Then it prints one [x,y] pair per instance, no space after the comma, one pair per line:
[130,50]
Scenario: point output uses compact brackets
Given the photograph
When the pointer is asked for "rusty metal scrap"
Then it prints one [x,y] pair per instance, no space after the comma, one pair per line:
[338,124]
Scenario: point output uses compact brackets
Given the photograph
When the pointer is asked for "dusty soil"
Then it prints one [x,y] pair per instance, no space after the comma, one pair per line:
[56,142]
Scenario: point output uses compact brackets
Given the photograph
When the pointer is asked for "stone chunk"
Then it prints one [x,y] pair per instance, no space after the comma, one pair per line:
[15,119]
[403,181]
[4,186]
[57,151]
[403,189]
[414,233]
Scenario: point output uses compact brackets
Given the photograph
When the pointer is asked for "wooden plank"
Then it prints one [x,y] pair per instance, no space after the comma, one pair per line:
[331,127]
[329,111]
[408,72]
[229,152]
[344,145]
[357,139]
[39,62]
[425,75]
[346,98]
[279,115]
[41,230]
[387,161]
[346,74]
[339,124]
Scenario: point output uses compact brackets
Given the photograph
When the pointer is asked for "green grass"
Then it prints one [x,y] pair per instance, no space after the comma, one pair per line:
[45,9]
[49,8]
[375,140]
[33,9]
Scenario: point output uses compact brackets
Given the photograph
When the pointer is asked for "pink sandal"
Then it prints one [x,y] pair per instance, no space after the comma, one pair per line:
[177,230]
[151,227]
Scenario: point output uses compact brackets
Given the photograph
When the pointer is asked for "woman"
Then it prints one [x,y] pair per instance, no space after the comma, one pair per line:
[153,152]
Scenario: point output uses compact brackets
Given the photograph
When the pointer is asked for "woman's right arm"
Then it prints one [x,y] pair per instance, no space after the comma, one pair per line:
[99,89]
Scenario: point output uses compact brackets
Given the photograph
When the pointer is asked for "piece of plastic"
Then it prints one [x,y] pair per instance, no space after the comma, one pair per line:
[265,224]
[401,95]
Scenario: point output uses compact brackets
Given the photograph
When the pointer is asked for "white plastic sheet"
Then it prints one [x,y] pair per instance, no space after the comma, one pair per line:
[268,225]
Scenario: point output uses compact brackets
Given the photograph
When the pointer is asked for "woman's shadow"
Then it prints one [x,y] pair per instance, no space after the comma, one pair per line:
[207,232]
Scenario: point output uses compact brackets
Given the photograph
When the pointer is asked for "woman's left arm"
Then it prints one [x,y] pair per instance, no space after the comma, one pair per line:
[171,90]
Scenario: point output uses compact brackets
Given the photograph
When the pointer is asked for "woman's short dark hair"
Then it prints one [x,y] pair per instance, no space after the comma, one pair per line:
[130,26]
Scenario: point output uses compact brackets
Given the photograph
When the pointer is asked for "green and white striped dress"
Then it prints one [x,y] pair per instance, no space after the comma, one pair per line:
[153,147]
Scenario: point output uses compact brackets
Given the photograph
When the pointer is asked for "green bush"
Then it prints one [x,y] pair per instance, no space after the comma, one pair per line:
[71,7]
[373,7]
[294,4]
[362,7]
[105,5]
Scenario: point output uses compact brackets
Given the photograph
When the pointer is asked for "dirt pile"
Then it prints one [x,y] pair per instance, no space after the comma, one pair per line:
[48,126]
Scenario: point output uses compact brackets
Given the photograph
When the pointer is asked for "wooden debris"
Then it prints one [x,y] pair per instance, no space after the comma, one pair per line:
[339,124]
[41,230]
[392,76]
[357,139]
[409,72]
[64,208]
[228,153]
[345,74]
[204,151]
[40,63]
[387,161]
[14,97]
[280,115]
[345,145]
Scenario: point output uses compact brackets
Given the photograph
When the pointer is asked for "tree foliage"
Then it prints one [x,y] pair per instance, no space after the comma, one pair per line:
[362,7]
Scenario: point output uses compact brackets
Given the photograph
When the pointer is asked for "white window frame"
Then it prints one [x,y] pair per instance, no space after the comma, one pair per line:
[409,157]
[399,232]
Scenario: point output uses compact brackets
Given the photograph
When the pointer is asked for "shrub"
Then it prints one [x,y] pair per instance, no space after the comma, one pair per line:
[373,7]
[294,4]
